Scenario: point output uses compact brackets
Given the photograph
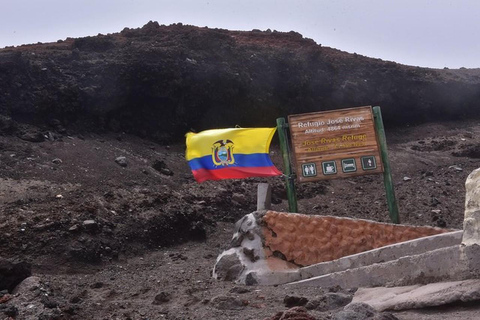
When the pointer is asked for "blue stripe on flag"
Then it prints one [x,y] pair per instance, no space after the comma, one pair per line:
[241,160]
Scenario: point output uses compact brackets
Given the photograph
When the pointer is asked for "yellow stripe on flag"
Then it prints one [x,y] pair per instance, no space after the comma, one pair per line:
[246,141]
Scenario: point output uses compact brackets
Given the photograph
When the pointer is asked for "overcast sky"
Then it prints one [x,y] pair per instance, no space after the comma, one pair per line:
[427,33]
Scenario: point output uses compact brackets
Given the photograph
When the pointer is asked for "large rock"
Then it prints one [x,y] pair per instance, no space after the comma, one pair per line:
[471,224]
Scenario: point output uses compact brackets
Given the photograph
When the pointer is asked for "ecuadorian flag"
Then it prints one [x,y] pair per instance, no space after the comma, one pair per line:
[234,153]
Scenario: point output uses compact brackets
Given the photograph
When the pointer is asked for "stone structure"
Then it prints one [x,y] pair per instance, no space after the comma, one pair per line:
[417,266]
[267,242]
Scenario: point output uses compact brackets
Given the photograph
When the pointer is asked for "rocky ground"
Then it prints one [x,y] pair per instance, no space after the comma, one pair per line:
[115,227]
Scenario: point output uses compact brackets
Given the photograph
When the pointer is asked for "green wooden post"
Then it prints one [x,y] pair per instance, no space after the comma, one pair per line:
[387,175]
[287,171]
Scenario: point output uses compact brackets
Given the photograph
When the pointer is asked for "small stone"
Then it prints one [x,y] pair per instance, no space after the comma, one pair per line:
[239,290]
[74,228]
[59,196]
[435,202]
[251,280]
[294,301]
[162,297]
[166,172]
[57,161]
[49,303]
[456,168]
[121,161]
[97,285]
[161,167]
[227,303]
[336,300]
[90,225]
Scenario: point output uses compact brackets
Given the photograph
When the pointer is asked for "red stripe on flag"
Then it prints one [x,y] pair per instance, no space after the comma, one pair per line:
[235,173]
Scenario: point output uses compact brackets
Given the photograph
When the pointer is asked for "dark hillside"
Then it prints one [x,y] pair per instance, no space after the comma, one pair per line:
[160,81]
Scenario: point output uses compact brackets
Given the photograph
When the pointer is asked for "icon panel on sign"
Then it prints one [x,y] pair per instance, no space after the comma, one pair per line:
[329,167]
[349,165]
[309,170]
[369,163]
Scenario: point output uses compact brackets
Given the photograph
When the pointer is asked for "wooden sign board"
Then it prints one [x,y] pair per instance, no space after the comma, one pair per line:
[335,144]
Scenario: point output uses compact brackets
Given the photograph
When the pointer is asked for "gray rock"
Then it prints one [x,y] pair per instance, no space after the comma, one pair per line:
[245,227]
[228,267]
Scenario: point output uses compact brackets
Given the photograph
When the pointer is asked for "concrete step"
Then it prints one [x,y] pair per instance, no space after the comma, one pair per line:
[432,266]
[383,254]
[330,272]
